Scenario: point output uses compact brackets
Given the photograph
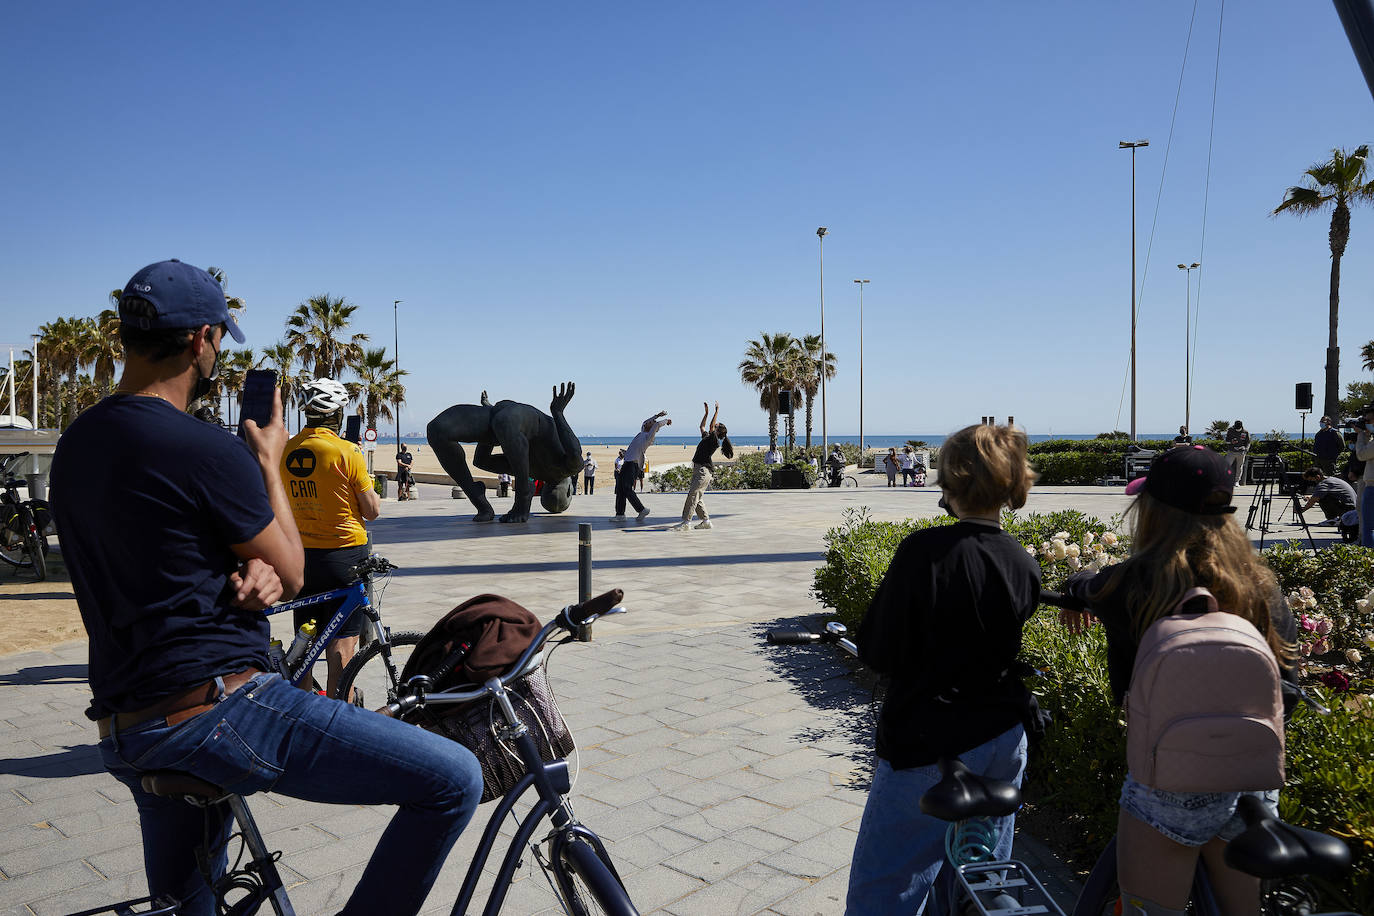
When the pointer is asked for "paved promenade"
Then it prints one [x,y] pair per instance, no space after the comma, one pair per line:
[727,776]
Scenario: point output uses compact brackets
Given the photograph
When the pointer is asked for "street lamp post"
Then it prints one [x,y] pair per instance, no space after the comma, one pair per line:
[1187,335]
[1132,146]
[825,437]
[861,367]
[396,353]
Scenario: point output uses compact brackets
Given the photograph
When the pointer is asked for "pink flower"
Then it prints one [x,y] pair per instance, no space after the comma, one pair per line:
[1323,627]
[1307,623]
[1320,647]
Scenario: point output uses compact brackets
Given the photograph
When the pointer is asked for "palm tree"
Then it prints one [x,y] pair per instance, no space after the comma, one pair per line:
[809,375]
[104,350]
[1336,183]
[64,346]
[1367,356]
[235,304]
[769,365]
[314,331]
[379,386]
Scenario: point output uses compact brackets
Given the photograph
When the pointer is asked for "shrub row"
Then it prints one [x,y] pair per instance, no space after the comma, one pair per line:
[1077,769]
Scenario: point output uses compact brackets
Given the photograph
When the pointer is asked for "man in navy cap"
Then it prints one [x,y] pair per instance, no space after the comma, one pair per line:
[177,536]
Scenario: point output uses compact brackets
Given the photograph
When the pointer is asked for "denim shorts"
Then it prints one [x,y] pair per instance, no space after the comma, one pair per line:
[1191,818]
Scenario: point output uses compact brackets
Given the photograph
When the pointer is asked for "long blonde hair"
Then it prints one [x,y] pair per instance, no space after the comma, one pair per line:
[1173,551]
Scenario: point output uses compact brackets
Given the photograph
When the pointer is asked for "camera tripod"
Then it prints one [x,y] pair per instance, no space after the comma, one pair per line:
[1270,472]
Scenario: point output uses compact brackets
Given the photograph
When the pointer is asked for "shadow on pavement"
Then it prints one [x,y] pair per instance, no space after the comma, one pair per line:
[44,674]
[828,679]
[82,760]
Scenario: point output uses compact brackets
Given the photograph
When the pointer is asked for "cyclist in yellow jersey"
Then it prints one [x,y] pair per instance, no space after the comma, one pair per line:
[331,494]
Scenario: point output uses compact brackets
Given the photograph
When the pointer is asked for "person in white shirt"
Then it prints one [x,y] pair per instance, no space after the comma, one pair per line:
[588,474]
[772,456]
[630,469]
[619,462]
[907,461]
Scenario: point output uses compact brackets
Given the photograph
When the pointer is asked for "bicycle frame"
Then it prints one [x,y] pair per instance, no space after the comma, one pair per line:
[355,597]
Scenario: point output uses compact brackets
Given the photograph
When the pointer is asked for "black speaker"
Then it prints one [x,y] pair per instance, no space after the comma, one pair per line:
[1302,396]
[784,402]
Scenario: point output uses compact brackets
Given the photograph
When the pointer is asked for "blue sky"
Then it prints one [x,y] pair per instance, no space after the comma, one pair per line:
[625,194]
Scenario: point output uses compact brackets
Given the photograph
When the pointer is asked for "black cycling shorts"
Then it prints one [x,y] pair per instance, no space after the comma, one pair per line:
[326,570]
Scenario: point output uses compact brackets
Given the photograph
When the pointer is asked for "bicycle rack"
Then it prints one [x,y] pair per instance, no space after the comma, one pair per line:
[1006,889]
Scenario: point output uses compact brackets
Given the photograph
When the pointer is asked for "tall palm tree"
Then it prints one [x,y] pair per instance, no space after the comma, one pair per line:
[379,385]
[63,348]
[1367,356]
[315,330]
[1335,184]
[104,350]
[810,363]
[769,365]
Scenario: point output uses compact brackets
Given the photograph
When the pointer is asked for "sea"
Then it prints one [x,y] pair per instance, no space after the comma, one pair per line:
[870,441]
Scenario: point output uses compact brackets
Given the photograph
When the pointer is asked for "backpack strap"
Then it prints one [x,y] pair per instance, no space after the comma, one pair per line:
[1192,593]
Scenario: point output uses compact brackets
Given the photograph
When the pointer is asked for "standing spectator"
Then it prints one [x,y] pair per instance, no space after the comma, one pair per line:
[1182,439]
[890,465]
[503,484]
[1327,445]
[1237,445]
[331,494]
[588,475]
[619,463]
[945,625]
[1364,451]
[404,481]
[177,537]
[633,468]
[713,436]
[907,461]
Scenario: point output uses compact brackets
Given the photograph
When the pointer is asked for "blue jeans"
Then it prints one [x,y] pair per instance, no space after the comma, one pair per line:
[900,850]
[269,736]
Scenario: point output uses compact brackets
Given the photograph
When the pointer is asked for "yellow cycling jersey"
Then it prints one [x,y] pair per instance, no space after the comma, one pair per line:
[323,475]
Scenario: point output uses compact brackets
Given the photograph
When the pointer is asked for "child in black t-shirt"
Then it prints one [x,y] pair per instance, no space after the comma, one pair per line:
[945,624]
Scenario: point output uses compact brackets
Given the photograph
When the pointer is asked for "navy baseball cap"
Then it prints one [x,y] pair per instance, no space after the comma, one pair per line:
[1196,480]
[184,297]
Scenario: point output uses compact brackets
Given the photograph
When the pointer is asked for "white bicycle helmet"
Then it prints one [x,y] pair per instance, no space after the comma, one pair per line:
[323,396]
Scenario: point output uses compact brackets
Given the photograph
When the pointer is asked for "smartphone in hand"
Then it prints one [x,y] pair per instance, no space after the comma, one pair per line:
[353,428]
[259,389]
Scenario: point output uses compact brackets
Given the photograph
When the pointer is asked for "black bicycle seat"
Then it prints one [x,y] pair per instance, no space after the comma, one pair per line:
[174,784]
[1269,848]
[962,794]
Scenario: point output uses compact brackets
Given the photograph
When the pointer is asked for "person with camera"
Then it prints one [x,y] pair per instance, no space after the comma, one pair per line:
[1364,451]
[177,537]
[1327,445]
[1237,446]
[1335,496]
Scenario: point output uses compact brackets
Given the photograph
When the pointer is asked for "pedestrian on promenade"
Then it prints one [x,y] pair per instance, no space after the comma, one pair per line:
[615,473]
[177,537]
[331,496]
[588,475]
[713,436]
[907,462]
[890,465]
[947,614]
[1237,445]
[1327,445]
[1364,451]
[405,482]
[1182,438]
[632,469]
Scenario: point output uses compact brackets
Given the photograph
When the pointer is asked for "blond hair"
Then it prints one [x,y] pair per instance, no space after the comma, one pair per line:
[984,468]
[1173,551]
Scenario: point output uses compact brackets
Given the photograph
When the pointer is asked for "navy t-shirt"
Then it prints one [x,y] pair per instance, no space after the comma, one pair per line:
[148,500]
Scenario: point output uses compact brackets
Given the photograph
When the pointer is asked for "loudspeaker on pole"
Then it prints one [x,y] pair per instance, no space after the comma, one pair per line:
[1302,396]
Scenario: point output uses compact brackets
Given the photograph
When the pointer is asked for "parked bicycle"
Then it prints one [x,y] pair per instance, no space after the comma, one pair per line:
[24,523]
[570,855]
[1268,848]
[834,477]
[376,642]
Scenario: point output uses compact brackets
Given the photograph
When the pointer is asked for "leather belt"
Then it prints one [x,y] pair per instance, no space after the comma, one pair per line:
[180,706]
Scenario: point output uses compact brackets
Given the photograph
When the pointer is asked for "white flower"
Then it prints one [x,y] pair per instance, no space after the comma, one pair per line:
[1362,605]
[1088,538]
[1295,601]
[1075,563]
[1031,551]
[1353,656]
[1369,639]
[1306,592]
[1309,603]
[1058,549]
[1109,539]
[1094,566]
[1073,550]
[1063,535]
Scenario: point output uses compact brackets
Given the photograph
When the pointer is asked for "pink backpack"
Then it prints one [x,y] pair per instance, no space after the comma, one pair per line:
[1204,711]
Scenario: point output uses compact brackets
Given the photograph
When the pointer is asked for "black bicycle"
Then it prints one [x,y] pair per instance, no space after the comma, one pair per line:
[24,523]
[571,856]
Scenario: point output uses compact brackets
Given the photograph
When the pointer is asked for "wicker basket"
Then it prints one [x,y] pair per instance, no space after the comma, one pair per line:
[472,724]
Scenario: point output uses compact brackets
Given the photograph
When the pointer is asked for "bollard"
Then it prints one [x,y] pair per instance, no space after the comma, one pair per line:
[584,574]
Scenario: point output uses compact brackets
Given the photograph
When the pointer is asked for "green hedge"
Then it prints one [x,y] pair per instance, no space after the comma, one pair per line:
[1077,770]
[746,472]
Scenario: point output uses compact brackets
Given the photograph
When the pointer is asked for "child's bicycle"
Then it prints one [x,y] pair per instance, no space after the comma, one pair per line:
[1268,849]
[24,523]
[571,856]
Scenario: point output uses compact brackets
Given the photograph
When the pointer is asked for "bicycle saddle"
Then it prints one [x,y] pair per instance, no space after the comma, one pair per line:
[174,784]
[962,794]
[1269,848]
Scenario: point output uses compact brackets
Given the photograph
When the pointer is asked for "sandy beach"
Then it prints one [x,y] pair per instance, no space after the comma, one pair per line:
[658,457]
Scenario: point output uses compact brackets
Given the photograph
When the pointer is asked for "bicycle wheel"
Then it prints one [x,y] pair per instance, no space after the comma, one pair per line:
[376,674]
[12,549]
[588,885]
[849,481]
[33,545]
[1100,891]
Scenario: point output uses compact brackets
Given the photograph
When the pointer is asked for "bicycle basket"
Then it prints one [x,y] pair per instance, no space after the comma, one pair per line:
[472,724]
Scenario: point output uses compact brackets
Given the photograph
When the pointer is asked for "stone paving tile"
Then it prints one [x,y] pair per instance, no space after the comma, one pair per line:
[750,890]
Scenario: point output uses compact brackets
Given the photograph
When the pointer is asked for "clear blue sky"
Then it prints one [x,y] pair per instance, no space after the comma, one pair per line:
[625,194]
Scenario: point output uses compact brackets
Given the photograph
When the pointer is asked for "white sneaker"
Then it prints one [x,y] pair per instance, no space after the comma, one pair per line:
[617,518]
[643,514]
[704,523]
[681,526]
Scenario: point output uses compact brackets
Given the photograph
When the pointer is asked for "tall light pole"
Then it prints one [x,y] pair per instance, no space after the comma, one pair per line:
[1187,334]
[396,353]
[33,371]
[861,367]
[1132,146]
[825,437]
